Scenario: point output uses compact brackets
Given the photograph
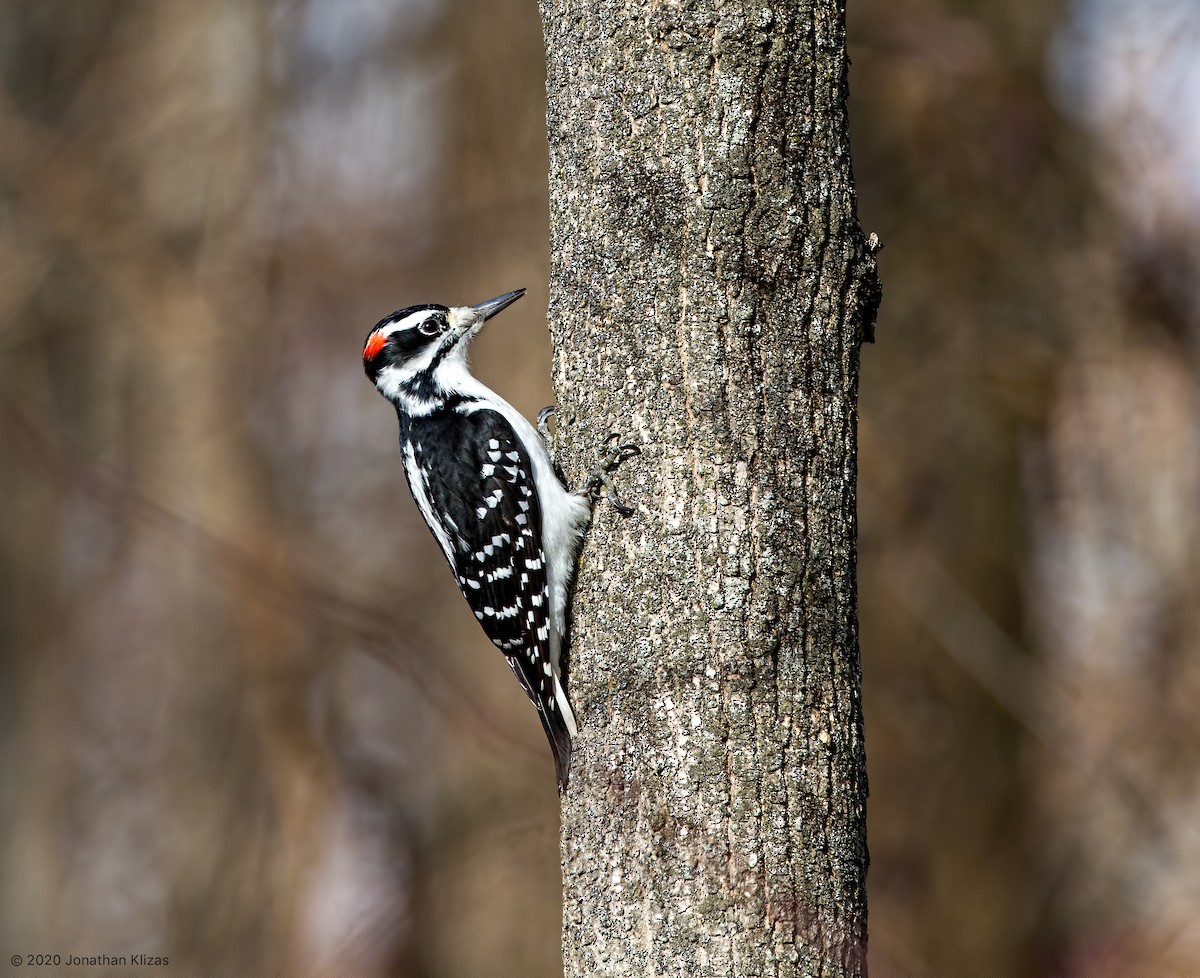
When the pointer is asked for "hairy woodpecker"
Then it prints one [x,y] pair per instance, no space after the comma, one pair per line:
[484,481]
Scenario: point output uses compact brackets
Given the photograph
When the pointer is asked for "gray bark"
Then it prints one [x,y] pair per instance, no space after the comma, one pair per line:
[710,289]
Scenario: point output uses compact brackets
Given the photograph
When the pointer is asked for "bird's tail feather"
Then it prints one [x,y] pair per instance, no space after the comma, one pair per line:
[559,736]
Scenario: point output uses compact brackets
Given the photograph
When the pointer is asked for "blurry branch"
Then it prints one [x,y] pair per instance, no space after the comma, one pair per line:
[974,641]
[371,628]
[1011,676]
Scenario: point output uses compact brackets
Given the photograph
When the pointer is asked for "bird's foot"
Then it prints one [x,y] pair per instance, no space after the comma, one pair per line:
[612,455]
[543,429]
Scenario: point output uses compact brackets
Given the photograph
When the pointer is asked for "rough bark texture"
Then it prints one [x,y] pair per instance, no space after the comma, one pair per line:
[710,289]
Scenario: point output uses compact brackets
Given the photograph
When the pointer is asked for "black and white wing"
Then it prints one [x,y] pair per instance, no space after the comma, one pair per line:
[473,482]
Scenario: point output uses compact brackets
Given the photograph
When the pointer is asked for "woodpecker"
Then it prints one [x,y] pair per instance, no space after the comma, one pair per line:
[483,479]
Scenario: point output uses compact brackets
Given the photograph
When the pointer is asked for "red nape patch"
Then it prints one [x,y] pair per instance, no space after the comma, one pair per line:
[375,343]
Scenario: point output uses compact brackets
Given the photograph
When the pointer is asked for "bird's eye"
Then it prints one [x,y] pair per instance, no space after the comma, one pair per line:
[431,327]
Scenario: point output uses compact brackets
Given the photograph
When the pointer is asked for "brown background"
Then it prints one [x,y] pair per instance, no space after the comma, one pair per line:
[247,722]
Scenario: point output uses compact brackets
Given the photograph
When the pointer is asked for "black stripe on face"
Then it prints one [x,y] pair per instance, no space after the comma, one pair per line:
[403,345]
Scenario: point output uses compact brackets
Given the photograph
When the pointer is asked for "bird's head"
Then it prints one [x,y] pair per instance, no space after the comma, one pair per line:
[407,352]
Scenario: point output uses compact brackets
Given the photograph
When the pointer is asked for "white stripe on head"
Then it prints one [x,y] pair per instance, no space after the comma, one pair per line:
[411,321]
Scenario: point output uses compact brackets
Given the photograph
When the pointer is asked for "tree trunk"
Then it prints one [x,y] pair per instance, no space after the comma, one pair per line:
[709,292]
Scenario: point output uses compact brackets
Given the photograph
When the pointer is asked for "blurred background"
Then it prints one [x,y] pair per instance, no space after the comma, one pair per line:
[246,720]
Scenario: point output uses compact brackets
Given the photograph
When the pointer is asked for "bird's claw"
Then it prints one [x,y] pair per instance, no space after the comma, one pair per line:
[611,457]
[543,429]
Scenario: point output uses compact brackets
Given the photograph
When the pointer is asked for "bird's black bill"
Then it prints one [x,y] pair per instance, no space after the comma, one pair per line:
[492,306]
